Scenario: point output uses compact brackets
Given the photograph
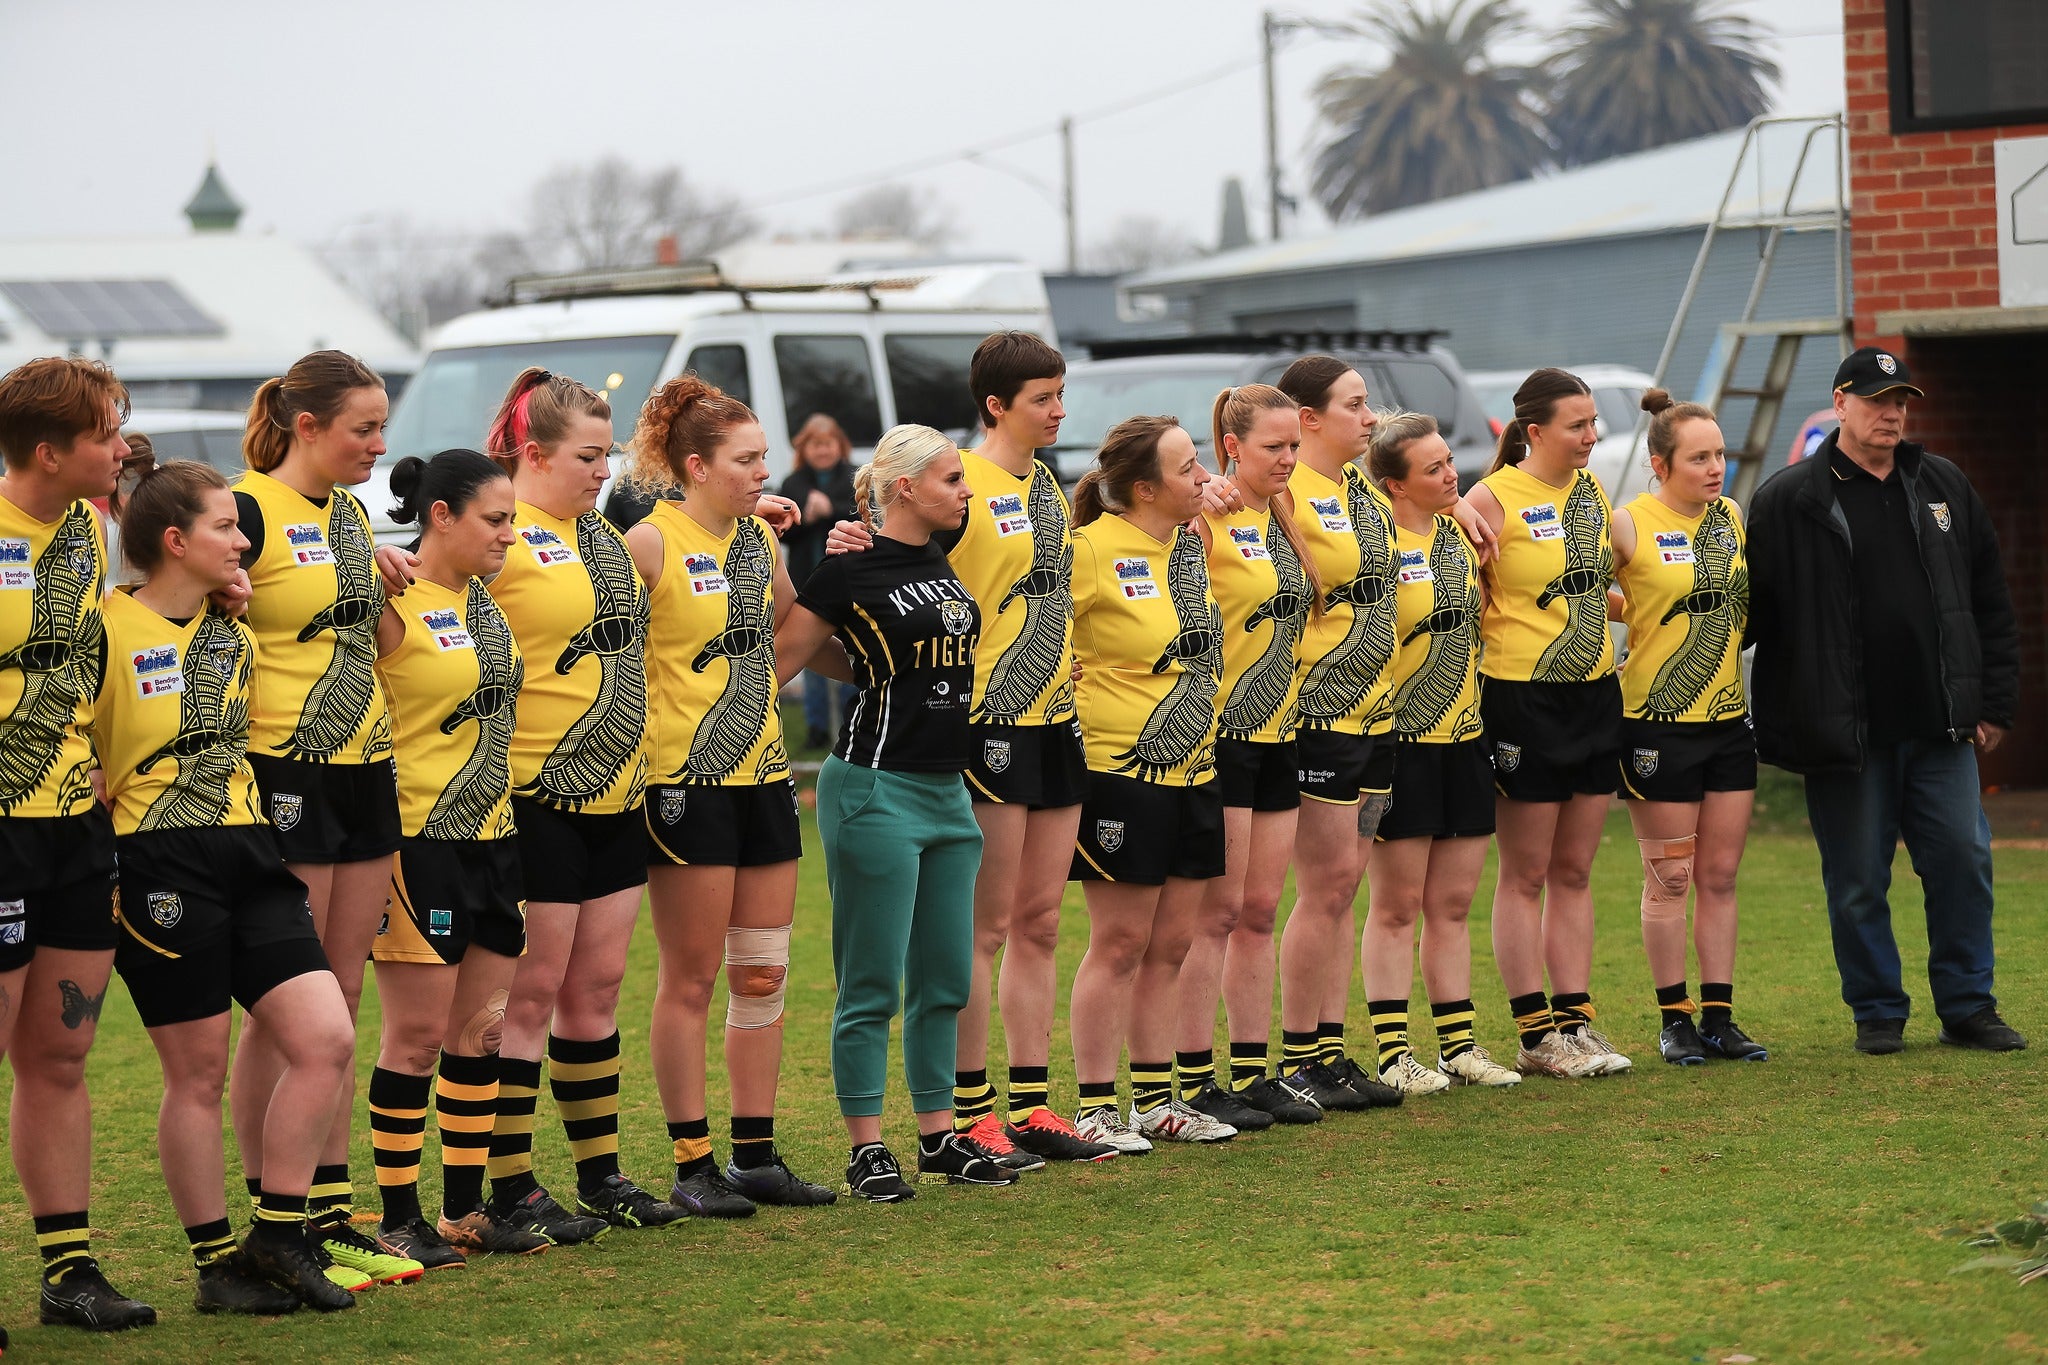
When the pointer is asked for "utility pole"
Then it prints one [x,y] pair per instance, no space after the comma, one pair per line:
[1267,27]
[1067,194]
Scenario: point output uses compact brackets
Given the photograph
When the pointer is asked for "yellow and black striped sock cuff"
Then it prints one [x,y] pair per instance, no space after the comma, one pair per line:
[1030,1089]
[64,1240]
[210,1241]
[973,1099]
[331,1191]
[1194,1070]
[1151,1085]
[398,1124]
[1247,1064]
[1453,1027]
[1330,1042]
[1389,1028]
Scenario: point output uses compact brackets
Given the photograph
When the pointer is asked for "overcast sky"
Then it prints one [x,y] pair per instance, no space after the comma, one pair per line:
[324,115]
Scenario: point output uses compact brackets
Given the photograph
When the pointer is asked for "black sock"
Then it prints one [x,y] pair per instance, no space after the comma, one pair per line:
[510,1164]
[1330,1042]
[210,1241]
[1717,1002]
[1151,1085]
[1574,1010]
[974,1099]
[1030,1091]
[332,1195]
[1532,1017]
[928,1144]
[1453,1028]
[753,1141]
[65,1241]
[398,1126]
[1098,1095]
[1297,1050]
[692,1139]
[1673,1006]
[1247,1065]
[1195,1070]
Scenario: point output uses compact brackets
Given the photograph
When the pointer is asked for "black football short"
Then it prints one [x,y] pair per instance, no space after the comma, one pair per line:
[1259,777]
[329,812]
[1144,832]
[1038,767]
[1551,741]
[209,916]
[1666,760]
[752,826]
[1336,768]
[569,857]
[56,884]
[449,893]
[1441,791]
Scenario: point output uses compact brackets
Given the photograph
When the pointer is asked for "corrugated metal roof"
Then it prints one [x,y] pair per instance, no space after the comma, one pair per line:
[1668,189]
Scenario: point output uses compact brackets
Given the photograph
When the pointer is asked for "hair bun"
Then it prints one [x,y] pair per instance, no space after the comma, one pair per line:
[1655,401]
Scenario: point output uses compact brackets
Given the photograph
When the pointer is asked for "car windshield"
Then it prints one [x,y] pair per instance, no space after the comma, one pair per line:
[451,400]
[1097,400]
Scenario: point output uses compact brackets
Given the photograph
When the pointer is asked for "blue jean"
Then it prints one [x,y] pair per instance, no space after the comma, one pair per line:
[1926,791]
[818,700]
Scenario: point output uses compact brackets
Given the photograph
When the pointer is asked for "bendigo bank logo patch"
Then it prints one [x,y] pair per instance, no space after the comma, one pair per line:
[156,671]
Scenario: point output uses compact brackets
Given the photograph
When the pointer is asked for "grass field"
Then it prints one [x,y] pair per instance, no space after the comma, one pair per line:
[1794,1210]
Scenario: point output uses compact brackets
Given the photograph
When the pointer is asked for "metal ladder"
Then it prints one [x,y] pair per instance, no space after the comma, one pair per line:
[1786,335]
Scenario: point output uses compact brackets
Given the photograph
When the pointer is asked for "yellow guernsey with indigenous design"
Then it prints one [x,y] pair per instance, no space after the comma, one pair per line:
[1436,676]
[1688,600]
[452,682]
[579,612]
[172,719]
[1262,593]
[315,599]
[1347,653]
[1148,635]
[52,648]
[711,675]
[1016,556]
[1547,620]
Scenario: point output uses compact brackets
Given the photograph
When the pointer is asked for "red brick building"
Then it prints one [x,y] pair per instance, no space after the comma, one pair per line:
[1933,87]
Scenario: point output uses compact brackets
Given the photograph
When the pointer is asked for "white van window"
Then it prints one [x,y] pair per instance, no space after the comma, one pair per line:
[833,375]
[1422,387]
[450,402]
[724,367]
[928,376]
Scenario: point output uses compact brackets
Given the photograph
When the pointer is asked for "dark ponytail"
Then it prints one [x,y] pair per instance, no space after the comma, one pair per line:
[151,498]
[1535,403]
[319,383]
[452,477]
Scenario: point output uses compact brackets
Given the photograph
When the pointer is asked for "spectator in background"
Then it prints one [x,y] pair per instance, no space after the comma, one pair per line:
[821,485]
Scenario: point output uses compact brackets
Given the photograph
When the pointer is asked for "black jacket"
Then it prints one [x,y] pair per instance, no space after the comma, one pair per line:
[1807,684]
[805,542]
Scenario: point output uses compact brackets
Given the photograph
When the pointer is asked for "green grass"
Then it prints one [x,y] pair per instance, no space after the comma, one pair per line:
[1789,1211]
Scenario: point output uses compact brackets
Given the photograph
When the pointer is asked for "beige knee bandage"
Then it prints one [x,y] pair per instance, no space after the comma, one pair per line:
[1667,875]
[756,963]
[479,1037]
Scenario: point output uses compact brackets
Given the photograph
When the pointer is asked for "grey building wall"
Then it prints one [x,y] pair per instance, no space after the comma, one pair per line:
[1590,302]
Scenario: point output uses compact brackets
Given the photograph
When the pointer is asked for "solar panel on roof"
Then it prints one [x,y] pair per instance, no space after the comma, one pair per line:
[107,309]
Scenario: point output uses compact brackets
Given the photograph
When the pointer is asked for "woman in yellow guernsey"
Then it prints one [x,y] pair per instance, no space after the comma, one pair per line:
[211,916]
[1552,712]
[1433,836]
[1264,585]
[722,820]
[1688,762]
[579,764]
[319,737]
[1148,637]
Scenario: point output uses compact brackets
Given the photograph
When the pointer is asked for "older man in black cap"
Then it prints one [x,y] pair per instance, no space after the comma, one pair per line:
[1886,658]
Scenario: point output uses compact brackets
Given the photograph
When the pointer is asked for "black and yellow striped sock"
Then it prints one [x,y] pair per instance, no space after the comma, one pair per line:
[1532,1017]
[210,1241]
[692,1141]
[1453,1028]
[510,1166]
[1574,1010]
[1673,1005]
[283,1211]
[1247,1064]
[1717,1002]
[1297,1050]
[1195,1070]
[1030,1090]
[583,1076]
[753,1141]
[398,1129]
[1389,1029]
[255,1187]
[465,1108]
[974,1099]
[1097,1095]
[1330,1042]
[332,1193]
[65,1241]
[1151,1085]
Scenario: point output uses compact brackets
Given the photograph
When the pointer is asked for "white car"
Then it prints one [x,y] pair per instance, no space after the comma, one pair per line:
[1617,394]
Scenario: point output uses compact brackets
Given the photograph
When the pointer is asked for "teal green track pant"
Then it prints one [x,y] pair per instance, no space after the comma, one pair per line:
[901,852]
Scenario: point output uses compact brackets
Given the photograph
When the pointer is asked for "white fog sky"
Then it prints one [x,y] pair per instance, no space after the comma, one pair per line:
[323,115]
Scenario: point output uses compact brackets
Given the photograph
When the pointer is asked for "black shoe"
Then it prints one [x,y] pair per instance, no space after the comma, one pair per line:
[284,1257]
[988,1140]
[1046,1135]
[874,1175]
[1984,1031]
[1880,1037]
[1327,1089]
[1281,1100]
[483,1229]
[1728,1039]
[539,1212]
[960,1162]
[83,1298]
[1225,1107]
[228,1285]
[1680,1044]
[1377,1091]
[774,1183]
[704,1194]
[416,1240]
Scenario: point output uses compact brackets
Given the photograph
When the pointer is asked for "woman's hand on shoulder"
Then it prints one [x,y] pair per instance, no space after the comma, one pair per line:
[232,597]
[849,537]
[1474,522]
[395,567]
[779,512]
[1220,497]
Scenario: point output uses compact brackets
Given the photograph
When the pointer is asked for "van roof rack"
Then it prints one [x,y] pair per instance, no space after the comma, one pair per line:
[1307,339]
[689,277]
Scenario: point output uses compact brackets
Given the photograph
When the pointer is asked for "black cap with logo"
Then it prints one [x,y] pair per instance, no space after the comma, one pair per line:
[1869,372]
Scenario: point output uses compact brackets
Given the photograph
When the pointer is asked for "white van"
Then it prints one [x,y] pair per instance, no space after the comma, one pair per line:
[871,349]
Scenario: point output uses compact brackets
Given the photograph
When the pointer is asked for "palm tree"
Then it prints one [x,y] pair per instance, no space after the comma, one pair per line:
[1634,74]
[1439,118]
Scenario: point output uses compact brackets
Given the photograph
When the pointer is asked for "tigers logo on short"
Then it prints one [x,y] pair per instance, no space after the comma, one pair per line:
[1941,516]
[672,802]
[1507,757]
[958,616]
[1645,762]
[1109,835]
[166,909]
[285,809]
[995,755]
